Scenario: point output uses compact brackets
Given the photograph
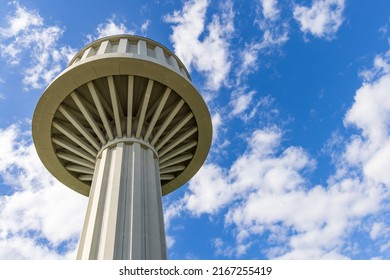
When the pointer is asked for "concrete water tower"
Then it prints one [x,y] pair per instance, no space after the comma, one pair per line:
[124,125]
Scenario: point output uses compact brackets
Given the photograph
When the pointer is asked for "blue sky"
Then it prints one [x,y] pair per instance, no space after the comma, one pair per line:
[299,94]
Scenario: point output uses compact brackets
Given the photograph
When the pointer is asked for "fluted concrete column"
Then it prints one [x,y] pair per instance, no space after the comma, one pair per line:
[124,218]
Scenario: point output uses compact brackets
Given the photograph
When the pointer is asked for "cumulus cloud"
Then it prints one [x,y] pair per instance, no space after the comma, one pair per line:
[381,67]
[323,19]
[19,248]
[113,26]
[203,198]
[265,192]
[36,205]
[26,34]
[370,114]
[204,47]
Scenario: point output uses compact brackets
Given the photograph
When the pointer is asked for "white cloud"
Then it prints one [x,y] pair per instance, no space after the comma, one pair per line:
[39,207]
[275,35]
[377,166]
[26,34]
[385,247]
[381,67]
[220,140]
[270,9]
[209,190]
[379,230]
[274,192]
[241,101]
[246,105]
[170,241]
[211,53]
[112,27]
[384,31]
[20,248]
[335,210]
[145,26]
[20,21]
[213,187]
[322,19]
[117,26]
[265,191]
[370,113]
[171,211]
[319,217]
[249,58]
[217,122]
[222,249]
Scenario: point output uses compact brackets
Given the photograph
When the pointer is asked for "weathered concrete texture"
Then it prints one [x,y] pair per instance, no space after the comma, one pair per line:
[124,217]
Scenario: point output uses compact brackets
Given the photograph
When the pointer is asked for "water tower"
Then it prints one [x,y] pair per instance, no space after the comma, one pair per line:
[124,125]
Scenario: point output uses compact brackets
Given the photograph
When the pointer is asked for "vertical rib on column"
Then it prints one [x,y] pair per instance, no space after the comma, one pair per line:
[135,207]
[90,237]
[114,182]
[154,226]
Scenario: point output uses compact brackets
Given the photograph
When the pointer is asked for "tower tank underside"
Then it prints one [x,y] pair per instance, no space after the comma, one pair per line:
[122,89]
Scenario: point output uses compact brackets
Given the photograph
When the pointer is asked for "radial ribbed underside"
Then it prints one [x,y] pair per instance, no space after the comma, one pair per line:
[125,89]
[123,108]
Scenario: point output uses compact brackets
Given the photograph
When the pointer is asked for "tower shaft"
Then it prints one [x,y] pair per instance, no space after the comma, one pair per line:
[124,218]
